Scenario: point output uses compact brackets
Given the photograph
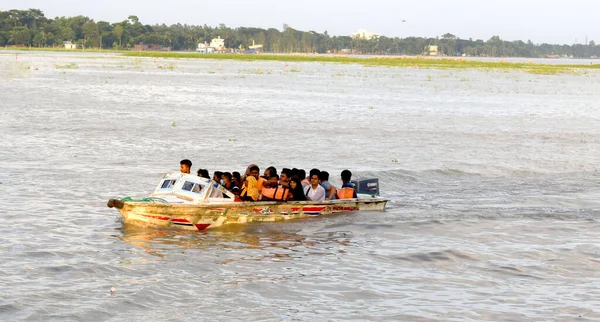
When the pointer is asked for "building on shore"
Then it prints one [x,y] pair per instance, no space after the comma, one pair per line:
[363,34]
[256,49]
[217,45]
[69,45]
[204,48]
[431,50]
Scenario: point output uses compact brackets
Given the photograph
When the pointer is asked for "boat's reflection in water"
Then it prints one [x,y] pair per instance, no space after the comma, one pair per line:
[279,240]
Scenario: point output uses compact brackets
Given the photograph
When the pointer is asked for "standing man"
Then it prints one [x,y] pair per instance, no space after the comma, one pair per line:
[185,165]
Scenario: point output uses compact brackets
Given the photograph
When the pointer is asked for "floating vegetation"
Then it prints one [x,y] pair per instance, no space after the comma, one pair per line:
[67,66]
[258,71]
[174,123]
[421,62]
[371,107]
[170,66]
[137,63]
[394,160]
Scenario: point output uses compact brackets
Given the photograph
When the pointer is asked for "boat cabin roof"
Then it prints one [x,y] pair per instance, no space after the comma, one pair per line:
[189,187]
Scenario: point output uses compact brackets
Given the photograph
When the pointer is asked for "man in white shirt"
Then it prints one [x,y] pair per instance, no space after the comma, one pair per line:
[314,191]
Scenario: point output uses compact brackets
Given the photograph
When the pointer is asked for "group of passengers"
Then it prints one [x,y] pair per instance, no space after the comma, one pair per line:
[290,184]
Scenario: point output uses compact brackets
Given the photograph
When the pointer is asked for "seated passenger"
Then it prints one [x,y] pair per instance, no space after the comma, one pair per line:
[296,191]
[303,179]
[273,182]
[347,191]
[314,191]
[250,190]
[217,176]
[270,171]
[185,166]
[330,190]
[229,185]
[284,178]
[271,191]
[203,173]
[236,179]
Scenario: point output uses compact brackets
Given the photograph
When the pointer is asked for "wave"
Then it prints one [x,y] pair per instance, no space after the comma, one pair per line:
[417,175]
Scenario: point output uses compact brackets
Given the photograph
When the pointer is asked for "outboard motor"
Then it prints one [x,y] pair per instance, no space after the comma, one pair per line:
[368,186]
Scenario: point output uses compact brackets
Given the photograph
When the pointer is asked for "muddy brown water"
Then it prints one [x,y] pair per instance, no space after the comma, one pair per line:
[492,176]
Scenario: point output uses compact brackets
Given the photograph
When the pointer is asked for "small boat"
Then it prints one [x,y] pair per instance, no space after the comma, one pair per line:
[186,201]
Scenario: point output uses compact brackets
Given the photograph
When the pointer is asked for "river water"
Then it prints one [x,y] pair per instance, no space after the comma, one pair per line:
[492,178]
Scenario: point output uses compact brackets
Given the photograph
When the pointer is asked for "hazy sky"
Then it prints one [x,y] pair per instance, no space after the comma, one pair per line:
[561,22]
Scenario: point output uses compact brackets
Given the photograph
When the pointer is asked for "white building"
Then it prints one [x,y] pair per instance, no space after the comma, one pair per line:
[431,50]
[204,48]
[255,46]
[363,34]
[218,43]
[69,45]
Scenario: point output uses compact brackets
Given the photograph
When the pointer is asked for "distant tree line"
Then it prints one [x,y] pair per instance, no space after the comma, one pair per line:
[31,28]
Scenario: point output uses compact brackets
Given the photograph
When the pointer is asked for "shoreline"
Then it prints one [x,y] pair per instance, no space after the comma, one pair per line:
[427,62]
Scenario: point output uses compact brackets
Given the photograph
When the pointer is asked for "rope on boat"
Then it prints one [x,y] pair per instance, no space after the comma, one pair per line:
[145,199]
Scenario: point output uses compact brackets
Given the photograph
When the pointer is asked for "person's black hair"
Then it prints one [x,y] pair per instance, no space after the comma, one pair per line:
[293,172]
[313,172]
[203,173]
[301,174]
[275,175]
[218,173]
[346,175]
[287,172]
[324,176]
[236,175]
[272,170]
[226,175]
[255,167]
[298,193]
[186,162]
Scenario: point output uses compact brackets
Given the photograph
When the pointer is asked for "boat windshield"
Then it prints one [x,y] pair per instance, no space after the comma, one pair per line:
[167,183]
[186,186]
[192,187]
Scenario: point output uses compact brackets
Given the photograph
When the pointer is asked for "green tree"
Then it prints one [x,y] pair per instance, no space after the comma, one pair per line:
[91,33]
[21,36]
[118,32]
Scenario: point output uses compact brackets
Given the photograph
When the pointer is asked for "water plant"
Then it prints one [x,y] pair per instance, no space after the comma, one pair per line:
[391,61]
[67,66]
[170,67]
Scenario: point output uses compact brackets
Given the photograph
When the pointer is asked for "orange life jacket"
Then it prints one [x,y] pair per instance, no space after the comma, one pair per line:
[260,183]
[280,193]
[345,193]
